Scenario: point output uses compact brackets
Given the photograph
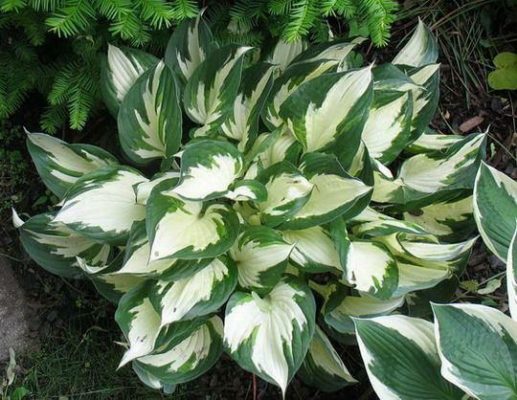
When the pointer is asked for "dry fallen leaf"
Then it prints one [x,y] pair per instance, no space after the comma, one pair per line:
[471,123]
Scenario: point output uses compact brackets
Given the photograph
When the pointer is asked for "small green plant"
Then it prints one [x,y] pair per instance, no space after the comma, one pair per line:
[271,180]
[505,74]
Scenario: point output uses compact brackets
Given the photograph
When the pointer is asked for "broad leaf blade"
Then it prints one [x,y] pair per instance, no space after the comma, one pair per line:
[102,205]
[120,71]
[188,47]
[420,50]
[478,349]
[184,229]
[149,120]
[495,209]
[402,360]
[270,336]
[60,164]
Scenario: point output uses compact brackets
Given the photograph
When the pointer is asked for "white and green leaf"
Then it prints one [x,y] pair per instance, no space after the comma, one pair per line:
[196,295]
[420,50]
[185,229]
[102,205]
[495,209]
[212,88]
[402,360]
[371,268]
[334,193]
[285,52]
[243,120]
[328,106]
[55,247]
[60,164]
[448,220]
[388,127]
[208,169]
[120,71]
[323,367]
[189,45]
[261,255]
[139,322]
[314,250]
[149,119]
[478,349]
[341,307]
[270,335]
[188,359]
[287,191]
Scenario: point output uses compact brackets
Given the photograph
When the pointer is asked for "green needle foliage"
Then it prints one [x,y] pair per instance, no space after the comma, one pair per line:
[54,46]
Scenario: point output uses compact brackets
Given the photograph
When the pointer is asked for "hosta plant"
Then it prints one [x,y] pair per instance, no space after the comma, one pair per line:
[280,195]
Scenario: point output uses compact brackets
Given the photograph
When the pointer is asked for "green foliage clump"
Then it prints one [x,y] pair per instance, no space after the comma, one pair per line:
[53,47]
[276,199]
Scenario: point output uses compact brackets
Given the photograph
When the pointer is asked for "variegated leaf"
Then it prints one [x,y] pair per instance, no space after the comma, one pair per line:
[329,106]
[208,169]
[424,177]
[196,295]
[189,359]
[334,193]
[336,50]
[425,97]
[212,88]
[402,360]
[143,190]
[478,349]
[420,50]
[102,205]
[246,190]
[185,229]
[243,120]
[285,52]
[272,148]
[137,263]
[429,142]
[261,255]
[270,336]
[139,322]
[511,276]
[288,190]
[287,83]
[60,164]
[120,71]
[341,307]
[322,367]
[55,247]
[495,209]
[448,220]
[371,268]
[106,278]
[388,127]
[188,47]
[314,250]
[149,119]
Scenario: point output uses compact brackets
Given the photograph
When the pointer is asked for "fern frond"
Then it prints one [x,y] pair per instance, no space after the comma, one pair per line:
[158,13]
[279,7]
[303,13]
[379,15]
[184,9]
[114,9]
[53,118]
[12,5]
[71,19]
[47,5]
